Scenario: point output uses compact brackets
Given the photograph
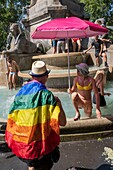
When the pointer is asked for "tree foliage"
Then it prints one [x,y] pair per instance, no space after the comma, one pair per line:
[10,11]
[96,9]
[99,9]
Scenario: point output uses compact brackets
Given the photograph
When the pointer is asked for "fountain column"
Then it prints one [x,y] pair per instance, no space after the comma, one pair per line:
[46,10]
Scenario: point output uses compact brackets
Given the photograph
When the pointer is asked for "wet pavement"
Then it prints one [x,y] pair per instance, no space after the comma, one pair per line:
[86,155]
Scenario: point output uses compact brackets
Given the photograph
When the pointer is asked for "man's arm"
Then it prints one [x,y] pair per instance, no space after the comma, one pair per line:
[17,66]
[62,116]
[88,49]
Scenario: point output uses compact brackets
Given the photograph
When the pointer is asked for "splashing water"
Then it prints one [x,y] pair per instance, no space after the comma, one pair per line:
[6,98]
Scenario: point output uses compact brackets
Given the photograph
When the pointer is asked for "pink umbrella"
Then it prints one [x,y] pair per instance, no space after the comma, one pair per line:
[68,28]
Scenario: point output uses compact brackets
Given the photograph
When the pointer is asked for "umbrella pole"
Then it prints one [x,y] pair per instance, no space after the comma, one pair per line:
[68,62]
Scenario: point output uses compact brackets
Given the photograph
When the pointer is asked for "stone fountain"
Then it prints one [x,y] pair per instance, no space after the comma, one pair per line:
[38,13]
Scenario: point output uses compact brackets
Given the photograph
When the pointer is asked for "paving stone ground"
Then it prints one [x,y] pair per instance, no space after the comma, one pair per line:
[81,155]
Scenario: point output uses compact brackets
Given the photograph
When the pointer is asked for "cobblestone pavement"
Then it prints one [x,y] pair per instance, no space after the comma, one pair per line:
[87,155]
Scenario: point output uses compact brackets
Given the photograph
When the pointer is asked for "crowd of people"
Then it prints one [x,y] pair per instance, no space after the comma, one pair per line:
[60,45]
[99,43]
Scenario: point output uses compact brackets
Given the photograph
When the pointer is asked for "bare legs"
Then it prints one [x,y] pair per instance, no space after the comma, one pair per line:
[12,81]
[74,99]
[79,45]
[31,168]
[105,59]
[77,102]
[97,61]
[74,46]
[61,46]
[54,50]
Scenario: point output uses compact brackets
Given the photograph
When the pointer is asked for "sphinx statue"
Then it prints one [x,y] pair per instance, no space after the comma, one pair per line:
[32,3]
[17,41]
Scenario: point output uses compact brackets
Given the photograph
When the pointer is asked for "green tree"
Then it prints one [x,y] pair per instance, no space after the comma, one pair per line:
[10,11]
[99,9]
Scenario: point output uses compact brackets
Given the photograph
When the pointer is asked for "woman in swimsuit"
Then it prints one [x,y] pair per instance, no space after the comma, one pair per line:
[81,90]
[12,70]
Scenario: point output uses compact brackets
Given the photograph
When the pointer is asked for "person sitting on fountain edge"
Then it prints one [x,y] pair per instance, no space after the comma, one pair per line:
[100,82]
[81,90]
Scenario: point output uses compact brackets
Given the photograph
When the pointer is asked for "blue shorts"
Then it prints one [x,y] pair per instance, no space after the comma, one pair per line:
[54,43]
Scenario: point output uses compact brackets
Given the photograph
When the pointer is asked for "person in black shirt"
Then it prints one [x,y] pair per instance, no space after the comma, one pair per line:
[98,45]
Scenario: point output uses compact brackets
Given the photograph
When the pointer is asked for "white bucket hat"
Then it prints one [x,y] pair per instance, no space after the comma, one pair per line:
[39,69]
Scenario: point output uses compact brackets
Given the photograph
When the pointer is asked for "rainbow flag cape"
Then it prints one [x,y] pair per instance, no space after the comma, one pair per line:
[32,127]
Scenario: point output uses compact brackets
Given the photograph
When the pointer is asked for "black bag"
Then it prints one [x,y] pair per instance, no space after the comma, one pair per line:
[55,155]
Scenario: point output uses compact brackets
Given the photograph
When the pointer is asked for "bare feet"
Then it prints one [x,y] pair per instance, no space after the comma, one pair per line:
[98,113]
[99,116]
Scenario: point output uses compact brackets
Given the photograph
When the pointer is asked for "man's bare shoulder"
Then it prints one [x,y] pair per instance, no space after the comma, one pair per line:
[14,62]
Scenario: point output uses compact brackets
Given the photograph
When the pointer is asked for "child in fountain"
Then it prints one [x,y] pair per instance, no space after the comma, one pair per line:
[100,81]
[13,68]
[81,90]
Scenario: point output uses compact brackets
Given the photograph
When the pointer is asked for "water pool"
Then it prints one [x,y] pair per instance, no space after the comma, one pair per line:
[7,96]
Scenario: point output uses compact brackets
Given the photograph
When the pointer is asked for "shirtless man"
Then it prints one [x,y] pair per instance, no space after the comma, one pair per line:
[81,90]
[12,70]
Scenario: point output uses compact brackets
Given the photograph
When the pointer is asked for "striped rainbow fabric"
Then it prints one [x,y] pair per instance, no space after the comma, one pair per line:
[32,127]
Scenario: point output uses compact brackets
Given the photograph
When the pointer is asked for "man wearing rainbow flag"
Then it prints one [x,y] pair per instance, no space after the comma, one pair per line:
[34,121]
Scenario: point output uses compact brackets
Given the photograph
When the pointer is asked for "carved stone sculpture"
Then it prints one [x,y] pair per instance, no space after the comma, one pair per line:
[18,43]
[33,2]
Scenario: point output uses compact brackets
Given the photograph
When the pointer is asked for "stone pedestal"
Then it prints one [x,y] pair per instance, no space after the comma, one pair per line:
[3,71]
[46,10]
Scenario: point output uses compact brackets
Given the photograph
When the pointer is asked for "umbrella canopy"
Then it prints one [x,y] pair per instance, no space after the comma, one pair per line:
[68,28]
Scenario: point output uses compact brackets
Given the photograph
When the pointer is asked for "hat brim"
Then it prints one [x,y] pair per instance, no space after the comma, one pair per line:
[82,70]
[39,75]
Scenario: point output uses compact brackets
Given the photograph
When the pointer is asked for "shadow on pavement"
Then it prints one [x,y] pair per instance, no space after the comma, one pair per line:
[105,167]
[4,148]
[78,168]
[102,167]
